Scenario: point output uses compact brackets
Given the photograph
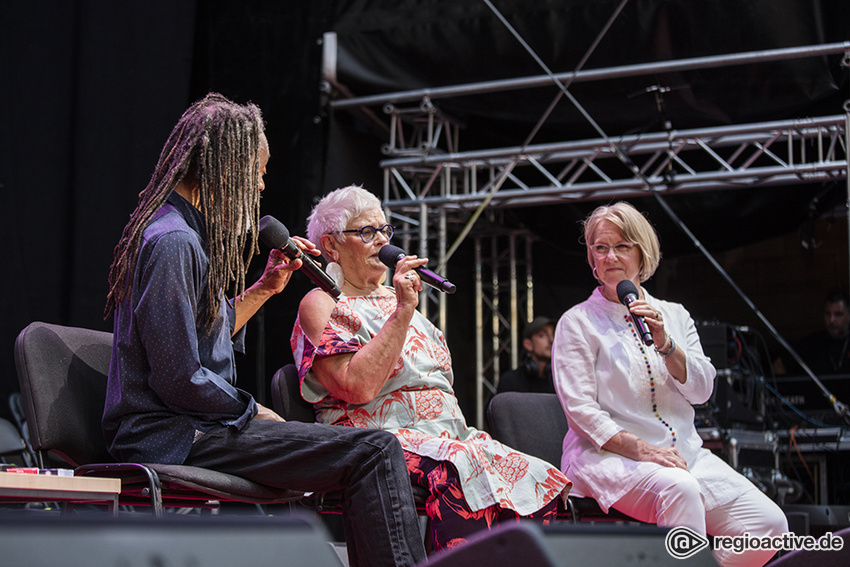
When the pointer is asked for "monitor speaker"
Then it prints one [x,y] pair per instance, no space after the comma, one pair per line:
[567,545]
[614,546]
[513,544]
[716,342]
[144,541]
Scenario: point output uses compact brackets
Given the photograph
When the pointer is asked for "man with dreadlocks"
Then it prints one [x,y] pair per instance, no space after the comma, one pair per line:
[171,396]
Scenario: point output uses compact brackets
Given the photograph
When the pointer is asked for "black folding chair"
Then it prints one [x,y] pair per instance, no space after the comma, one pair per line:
[13,449]
[536,425]
[62,373]
[20,421]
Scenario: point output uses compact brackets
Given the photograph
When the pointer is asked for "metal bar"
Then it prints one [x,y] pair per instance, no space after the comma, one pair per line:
[552,179]
[688,64]
[441,261]
[423,253]
[723,163]
[846,64]
[514,306]
[719,135]
[529,281]
[763,177]
[479,338]
[402,182]
[804,172]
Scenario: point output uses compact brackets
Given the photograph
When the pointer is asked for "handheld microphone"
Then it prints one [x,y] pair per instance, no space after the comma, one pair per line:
[390,255]
[275,235]
[626,293]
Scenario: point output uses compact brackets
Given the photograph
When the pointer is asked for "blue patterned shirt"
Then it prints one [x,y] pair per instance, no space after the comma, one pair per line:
[168,378]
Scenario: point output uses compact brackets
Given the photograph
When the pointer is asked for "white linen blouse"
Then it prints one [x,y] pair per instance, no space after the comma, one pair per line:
[608,381]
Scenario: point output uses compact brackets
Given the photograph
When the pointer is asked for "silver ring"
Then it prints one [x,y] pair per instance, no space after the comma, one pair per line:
[410,276]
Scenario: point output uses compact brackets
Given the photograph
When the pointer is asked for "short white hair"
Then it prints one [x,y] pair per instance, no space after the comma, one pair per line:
[333,212]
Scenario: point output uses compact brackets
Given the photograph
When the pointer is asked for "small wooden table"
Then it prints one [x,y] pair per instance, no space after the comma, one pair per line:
[17,487]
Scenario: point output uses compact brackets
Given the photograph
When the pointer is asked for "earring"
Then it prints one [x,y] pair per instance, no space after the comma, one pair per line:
[595,275]
[334,270]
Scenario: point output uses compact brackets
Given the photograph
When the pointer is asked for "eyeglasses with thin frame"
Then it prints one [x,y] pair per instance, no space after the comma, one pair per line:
[369,232]
[621,250]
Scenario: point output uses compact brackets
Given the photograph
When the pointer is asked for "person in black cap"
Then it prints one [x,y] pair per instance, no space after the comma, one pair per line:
[826,351]
[534,373]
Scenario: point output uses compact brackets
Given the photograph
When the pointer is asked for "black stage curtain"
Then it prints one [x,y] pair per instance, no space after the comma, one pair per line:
[90,91]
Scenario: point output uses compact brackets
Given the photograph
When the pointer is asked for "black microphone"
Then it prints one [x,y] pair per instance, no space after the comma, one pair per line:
[390,255]
[275,235]
[626,293]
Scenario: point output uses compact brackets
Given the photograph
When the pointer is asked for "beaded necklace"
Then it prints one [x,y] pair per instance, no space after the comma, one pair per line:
[651,379]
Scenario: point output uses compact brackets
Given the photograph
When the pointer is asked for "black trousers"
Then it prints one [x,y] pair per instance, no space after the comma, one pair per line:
[379,516]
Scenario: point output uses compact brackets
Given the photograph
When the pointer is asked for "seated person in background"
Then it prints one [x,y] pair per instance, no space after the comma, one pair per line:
[171,393]
[632,444]
[534,374]
[373,361]
[826,351]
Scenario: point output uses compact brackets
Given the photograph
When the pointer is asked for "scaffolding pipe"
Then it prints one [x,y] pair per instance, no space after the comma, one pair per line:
[423,253]
[847,155]
[441,250]
[676,65]
[650,140]
[495,324]
[529,282]
[629,187]
[479,338]
[514,305]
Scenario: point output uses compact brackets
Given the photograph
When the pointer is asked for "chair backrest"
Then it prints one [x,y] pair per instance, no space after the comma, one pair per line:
[62,373]
[13,450]
[286,396]
[532,423]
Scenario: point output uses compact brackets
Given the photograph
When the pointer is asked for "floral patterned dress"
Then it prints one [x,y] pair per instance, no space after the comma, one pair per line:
[418,405]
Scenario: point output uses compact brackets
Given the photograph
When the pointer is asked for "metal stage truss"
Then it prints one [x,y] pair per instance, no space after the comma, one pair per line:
[430,185]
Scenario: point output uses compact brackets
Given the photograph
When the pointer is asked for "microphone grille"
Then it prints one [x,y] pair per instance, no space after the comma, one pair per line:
[390,254]
[273,233]
[624,289]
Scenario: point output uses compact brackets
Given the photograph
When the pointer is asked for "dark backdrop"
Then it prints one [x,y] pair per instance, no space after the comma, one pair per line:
[89,91]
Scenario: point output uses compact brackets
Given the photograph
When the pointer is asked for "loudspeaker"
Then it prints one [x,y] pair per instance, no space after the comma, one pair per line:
[513,544]
[566,545]
[615,546]
[716,342]
[819,519]
[821,558]
[142,540]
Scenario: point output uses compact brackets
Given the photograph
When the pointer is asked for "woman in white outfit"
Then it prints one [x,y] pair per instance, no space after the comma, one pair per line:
[632,444]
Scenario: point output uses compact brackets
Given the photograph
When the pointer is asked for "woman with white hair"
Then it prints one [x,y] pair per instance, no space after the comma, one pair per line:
[632,444]
[371,360]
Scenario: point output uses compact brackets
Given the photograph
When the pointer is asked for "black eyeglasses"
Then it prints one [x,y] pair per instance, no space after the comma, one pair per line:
[369,232]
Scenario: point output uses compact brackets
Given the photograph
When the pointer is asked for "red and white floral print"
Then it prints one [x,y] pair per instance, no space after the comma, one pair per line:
[418,405]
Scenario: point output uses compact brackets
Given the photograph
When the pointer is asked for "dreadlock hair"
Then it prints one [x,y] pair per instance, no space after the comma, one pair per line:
[215,146]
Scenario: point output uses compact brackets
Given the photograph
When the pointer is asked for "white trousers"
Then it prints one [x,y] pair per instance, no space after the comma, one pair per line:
[670,497]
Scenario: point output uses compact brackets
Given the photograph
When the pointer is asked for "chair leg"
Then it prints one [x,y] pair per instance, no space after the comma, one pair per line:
[152,491]
[572,509]
[155,491]
[429,537]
